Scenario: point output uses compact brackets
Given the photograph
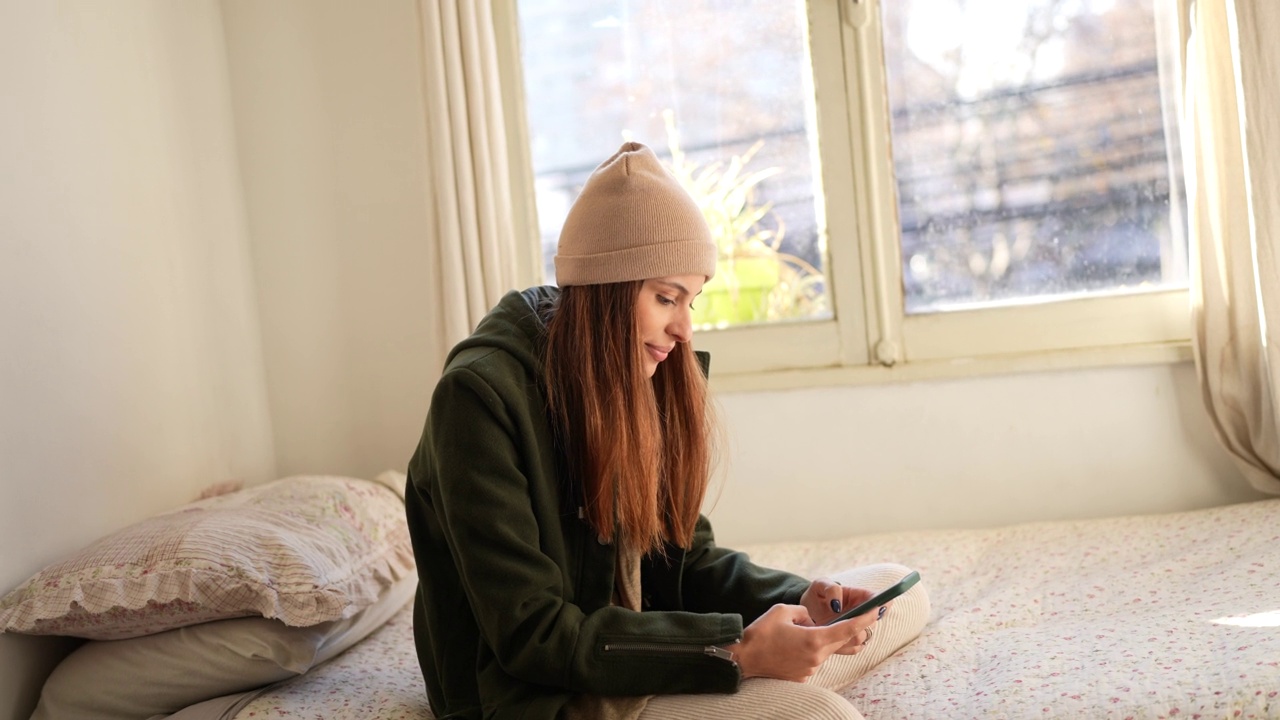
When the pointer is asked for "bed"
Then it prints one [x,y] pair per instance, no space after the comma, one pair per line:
[1142,617]
[1161,616]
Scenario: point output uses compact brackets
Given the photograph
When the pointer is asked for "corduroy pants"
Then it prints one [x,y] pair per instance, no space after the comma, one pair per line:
[817,699]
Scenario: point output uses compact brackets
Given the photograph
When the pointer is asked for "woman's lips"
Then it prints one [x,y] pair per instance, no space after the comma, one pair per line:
[657,353]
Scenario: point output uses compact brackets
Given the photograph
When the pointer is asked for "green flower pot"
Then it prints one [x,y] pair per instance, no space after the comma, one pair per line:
[739,293]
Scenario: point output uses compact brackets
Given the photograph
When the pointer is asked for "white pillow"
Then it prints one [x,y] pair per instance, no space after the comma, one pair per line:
[305,550]
[162,673]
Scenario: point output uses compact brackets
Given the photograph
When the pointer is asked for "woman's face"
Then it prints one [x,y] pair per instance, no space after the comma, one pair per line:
[663,316]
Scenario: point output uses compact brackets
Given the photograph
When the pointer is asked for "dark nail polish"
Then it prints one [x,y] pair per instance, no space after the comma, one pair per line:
[881,612]
[835,606]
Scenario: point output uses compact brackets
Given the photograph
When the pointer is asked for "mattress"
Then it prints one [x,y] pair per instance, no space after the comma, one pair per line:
[1164,616]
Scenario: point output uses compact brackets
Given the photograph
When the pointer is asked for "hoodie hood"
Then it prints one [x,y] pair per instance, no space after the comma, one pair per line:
[515,327]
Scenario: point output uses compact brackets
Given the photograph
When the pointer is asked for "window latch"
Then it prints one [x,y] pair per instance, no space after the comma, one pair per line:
[856,12]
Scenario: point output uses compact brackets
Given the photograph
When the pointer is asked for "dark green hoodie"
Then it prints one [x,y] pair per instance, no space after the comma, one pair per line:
[513,613]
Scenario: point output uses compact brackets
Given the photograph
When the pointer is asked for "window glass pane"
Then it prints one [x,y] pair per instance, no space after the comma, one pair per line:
[722,91]
[1032,150]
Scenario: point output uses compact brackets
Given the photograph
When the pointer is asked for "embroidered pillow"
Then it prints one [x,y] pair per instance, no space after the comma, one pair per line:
[163,673]
[303,550]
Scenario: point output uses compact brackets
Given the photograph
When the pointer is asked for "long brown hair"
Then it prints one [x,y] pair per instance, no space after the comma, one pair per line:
[641,450]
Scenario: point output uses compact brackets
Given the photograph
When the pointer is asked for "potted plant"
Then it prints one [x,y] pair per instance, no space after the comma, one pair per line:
[755,281]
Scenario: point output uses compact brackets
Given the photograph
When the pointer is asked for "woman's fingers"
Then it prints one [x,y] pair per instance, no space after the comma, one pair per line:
[853,596]
[841,634]
[784,643]
[824,599]
[862,632]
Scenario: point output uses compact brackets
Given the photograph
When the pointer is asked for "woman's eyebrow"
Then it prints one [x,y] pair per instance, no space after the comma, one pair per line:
[675,285]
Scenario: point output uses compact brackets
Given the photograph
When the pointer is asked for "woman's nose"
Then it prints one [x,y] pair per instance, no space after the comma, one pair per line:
[681,328]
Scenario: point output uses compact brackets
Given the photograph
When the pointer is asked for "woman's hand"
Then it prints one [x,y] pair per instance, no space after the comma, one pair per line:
[784,643]
[826,598]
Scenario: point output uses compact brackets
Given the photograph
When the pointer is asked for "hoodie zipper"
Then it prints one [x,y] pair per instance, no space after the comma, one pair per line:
[714,651]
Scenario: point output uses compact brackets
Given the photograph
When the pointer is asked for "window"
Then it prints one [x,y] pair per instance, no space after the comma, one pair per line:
[897,182]
[726,98]
[1028,163]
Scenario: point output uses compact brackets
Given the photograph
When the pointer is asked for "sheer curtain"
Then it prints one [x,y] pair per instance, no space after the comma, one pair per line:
[467,162]
[1231,138]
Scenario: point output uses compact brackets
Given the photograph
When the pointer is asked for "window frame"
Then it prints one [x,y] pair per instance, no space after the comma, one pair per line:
[870,338]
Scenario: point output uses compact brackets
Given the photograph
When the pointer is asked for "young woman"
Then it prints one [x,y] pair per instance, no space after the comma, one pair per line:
[554,501]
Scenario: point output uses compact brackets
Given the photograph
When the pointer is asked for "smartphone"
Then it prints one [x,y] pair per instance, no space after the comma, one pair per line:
[880,598]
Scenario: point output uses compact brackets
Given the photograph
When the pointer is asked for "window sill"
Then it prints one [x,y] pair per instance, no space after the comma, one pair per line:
[949,369]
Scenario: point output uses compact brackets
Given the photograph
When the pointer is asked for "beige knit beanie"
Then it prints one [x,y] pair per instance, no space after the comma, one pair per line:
[633,221]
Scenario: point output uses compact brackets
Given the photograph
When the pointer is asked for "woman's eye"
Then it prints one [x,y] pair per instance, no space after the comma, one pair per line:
[666,300]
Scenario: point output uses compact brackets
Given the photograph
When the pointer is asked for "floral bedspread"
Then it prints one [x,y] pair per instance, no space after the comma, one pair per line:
[1168,616]
[1165,616]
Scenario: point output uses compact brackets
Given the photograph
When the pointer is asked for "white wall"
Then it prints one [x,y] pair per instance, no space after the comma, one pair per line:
[131,372]
[331,125]
[976,452]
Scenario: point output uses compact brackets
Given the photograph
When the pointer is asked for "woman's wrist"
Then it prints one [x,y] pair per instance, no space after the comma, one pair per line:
[736,657]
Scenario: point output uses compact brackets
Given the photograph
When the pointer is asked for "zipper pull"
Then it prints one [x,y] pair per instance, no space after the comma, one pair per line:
[716,651]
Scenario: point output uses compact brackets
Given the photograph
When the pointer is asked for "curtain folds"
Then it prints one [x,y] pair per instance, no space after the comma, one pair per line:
[467,162]
[1231,139]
